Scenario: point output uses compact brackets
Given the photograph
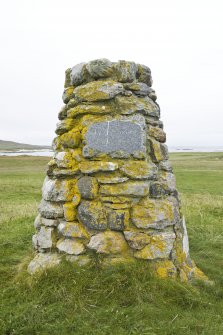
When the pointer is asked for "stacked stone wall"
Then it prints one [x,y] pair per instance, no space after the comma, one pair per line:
[110,188]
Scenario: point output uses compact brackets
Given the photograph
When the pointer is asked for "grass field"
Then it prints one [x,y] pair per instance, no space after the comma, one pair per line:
[123,300]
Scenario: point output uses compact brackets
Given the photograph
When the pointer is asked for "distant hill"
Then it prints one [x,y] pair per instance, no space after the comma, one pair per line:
[10,145]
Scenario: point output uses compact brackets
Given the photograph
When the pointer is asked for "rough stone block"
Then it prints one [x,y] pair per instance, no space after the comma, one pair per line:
[92,215]
[139,169]
[88,187]
[50,210]
[72,229]
[129,188]
[70,246]
[58,190]
[98,91]
[108,243]
[153,213]
[118,219]
[159,247]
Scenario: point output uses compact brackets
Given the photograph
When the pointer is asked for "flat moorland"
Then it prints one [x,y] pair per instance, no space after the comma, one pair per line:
[121,300]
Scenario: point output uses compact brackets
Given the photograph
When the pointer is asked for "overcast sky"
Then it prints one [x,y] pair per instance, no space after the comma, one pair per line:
[180,40]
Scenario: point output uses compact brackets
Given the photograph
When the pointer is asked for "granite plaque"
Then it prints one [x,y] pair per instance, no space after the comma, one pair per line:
[115,136]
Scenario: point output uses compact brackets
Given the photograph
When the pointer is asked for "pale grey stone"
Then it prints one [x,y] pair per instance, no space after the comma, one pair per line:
[42,261]
[129,188]
[92,215]
[99,68]
[57,190]
[37,222]
[98,91]
[108,242]
[185,238]
[111,180]
[70,246]
[159,247]
[49,222]
[111,136]
[97,166]
[88,187]
[166,166]
[140,89]
[125,71]
[77,74]
[50,210]
[144,74]
[44,238]
[137,240]
[72,229]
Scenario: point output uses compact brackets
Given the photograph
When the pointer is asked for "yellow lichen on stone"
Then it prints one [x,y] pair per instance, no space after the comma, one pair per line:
[89,109]
[165,269]
[71,139]
[70,211]
[98,90]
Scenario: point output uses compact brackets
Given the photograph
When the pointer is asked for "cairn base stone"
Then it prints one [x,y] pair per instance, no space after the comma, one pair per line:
[110,189]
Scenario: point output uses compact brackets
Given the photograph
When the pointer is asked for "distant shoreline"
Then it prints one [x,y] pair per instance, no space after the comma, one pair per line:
[49,152]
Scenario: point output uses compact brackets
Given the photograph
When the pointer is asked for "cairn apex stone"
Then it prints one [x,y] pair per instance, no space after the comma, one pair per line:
[110,188]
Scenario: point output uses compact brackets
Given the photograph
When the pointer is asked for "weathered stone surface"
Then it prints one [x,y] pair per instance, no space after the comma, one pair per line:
[97,166]
[43,261]
[44,239]
[72,229]
[144,74]
[118,219]
[37,222]
[88,187]
[67,94]
[125,71]
[165,269]
[159,247]
[77,74]
[168,181]
[139,169]
[153,213]
[137,240]
[65,160]
[185,238]
[70,246]
[159,151]
[67,78]
[98,90]
[92,215]
[64,126]
[70,211]
[108,243]
[58,190]
[157,133]
[140,89]
[99,108]
[50,210]
[63,173]
[100,68]
[49,222]
[130,188]
[70,139]
[111,136]
[166,166]
[152,94]
[111,180]
[133,104]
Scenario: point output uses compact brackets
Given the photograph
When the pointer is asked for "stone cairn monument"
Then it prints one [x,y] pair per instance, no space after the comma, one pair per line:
[110,189]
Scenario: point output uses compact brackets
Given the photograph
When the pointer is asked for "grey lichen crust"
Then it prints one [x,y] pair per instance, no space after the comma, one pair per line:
[110,188]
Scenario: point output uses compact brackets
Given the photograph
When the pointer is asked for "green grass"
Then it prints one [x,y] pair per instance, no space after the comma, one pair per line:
[122,300]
